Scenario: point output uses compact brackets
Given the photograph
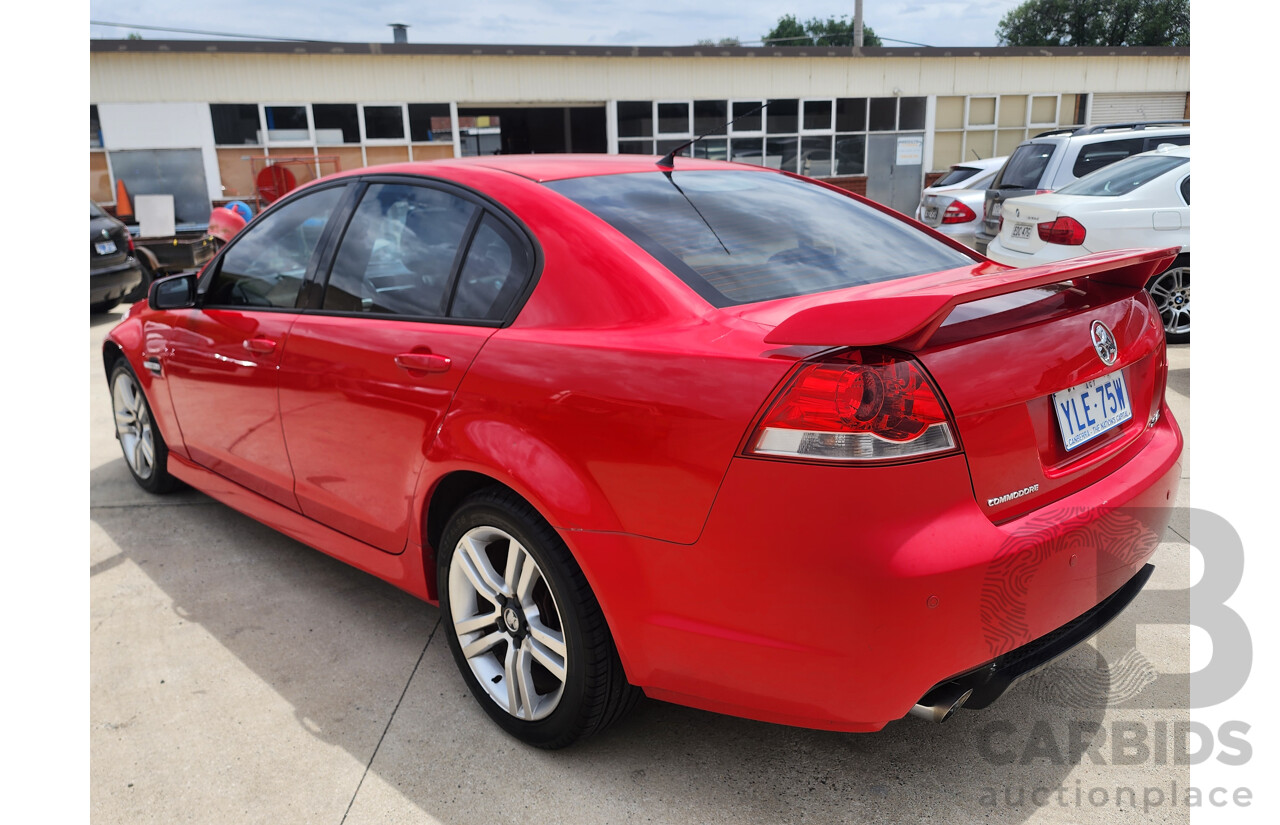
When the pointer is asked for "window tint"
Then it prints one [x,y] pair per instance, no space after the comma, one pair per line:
[740,237]
[1025,167]
[267,264]
[398,253]
[1123,177]
[495,269]
[1097,155]
[1186,190]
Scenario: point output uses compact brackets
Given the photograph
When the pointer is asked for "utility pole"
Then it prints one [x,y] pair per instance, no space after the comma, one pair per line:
[857,24]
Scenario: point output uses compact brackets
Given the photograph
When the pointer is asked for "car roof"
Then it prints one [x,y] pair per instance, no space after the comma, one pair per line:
[550,167]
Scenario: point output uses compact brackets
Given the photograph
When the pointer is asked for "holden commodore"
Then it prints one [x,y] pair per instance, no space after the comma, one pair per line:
[713,433]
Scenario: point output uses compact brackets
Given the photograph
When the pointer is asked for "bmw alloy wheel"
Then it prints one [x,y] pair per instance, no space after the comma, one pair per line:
[1171,290]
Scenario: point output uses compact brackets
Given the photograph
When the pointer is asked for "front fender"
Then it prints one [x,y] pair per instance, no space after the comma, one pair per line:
[137,339]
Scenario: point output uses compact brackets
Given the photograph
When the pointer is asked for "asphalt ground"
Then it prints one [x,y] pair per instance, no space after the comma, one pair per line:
[238,676]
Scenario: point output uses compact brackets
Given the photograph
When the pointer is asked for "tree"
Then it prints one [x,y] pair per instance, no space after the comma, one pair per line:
[724,41]
[834,31]
[1097,23]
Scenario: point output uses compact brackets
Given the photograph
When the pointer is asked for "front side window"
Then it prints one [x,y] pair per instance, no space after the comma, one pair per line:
[398,254]
[268,263]
[741,237]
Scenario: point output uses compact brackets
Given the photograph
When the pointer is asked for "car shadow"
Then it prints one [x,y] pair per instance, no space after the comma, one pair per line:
[293,616]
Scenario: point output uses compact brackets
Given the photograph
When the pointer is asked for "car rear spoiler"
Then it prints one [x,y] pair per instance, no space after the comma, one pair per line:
[906,313]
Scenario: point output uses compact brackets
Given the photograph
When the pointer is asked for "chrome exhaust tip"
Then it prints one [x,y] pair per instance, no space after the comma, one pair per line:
[938,704]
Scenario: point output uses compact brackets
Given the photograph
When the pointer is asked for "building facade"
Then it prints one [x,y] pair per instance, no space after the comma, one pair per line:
[203,117]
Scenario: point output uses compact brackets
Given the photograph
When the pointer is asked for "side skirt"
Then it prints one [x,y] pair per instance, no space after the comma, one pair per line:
[404,570]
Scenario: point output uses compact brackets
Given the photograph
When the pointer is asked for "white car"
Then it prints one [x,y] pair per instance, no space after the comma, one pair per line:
[953,204]
[1141,201]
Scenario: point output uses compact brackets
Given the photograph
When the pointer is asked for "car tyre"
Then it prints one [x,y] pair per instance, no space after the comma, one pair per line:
[525,629]
[1171,290]
[145,452]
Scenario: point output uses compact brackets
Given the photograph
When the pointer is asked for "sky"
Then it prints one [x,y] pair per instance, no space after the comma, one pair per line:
[547,22]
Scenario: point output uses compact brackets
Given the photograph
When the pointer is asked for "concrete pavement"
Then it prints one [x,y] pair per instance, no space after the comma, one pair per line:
[239,677]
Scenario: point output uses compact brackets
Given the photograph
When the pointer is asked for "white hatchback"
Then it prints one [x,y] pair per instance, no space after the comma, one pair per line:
[1141,201]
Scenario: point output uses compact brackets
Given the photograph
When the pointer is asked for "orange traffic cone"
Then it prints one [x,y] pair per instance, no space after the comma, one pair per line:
[124,204]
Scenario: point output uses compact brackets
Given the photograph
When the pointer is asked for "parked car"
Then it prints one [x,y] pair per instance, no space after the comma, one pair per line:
[953,204]
[1144,200]
[113,271]
[1055,158]
[705,431]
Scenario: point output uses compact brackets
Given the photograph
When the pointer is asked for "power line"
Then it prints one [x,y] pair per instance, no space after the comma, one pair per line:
[198,31]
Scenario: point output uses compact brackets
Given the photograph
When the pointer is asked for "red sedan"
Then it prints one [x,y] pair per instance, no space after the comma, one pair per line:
[722,435]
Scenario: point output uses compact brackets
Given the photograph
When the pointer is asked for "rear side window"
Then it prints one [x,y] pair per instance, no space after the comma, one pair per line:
[398,254]
[740,237]
[492,275]
[1025,167]
[1124,176]
[1094,156]
[1185,188]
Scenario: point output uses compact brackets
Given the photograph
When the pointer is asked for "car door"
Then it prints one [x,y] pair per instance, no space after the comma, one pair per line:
[421,277]
[222,357]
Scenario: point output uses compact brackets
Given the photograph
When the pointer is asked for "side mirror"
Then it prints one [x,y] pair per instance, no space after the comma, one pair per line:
[174,292]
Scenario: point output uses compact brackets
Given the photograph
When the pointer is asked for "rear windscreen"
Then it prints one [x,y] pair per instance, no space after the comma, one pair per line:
[738,237]
[1025,167]
[958,174]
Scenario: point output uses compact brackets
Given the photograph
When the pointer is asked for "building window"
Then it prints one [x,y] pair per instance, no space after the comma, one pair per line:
[430,123]
[818,137]
[335,123]
[287,123]
[235,124]
[384,122]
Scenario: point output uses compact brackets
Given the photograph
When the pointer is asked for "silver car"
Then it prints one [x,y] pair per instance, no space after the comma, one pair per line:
[953,205]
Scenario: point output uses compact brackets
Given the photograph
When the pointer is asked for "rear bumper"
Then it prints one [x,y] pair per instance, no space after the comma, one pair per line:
[114,282]
[1049,253]
[837,597]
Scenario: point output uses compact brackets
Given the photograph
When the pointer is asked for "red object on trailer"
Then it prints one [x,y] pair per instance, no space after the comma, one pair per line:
[225,224]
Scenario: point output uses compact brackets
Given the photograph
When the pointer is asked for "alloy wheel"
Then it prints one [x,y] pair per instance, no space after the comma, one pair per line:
[133,425]
[508,624]
[1171,291]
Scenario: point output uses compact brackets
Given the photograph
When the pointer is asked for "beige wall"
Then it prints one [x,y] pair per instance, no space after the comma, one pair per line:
[232,78]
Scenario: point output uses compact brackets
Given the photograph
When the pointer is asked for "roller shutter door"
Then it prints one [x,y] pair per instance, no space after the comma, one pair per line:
[1128,108]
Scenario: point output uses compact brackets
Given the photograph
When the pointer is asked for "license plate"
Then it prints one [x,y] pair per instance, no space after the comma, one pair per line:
[931,213]
[105,247]
[1022,231]
[996,208]
[1088,410]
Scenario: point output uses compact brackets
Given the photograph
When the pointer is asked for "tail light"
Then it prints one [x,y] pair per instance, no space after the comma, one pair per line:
[958,212]
[1043,191]
[129,240]
[855,406]
[1065,231]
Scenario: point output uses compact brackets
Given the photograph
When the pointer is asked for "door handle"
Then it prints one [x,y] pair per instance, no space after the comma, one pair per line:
[261,346]
[423,362]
